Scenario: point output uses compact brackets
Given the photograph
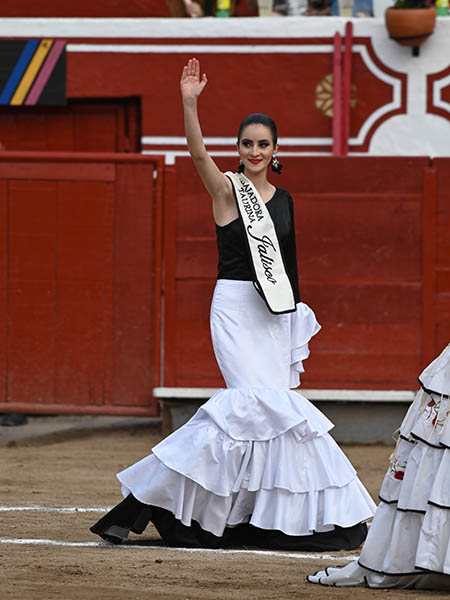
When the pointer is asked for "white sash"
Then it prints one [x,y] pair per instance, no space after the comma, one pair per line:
[272,281]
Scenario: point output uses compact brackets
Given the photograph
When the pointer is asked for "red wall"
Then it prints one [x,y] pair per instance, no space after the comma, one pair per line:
[86,126]
[99,8]
[84,8]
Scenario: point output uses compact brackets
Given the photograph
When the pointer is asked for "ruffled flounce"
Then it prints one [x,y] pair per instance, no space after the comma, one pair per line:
[435,378]
[288,475]
[260,414]
[304,326]
[411,528]
[408,545]
[428,420]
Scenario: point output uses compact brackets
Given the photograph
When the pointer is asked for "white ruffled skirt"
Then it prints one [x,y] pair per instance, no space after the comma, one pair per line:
[408,545]
[256,452]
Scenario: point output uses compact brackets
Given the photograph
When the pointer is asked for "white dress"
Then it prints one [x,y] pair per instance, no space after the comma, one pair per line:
[256,452]
[408,545]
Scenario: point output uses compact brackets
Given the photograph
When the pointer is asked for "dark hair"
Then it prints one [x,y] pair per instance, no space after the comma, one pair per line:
[256,119]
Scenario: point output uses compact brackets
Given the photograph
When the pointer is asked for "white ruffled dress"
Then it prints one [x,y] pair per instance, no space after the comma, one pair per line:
[256,452]
[408,545]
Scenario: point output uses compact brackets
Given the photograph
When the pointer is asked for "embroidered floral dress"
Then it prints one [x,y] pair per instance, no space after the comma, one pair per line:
[408,545]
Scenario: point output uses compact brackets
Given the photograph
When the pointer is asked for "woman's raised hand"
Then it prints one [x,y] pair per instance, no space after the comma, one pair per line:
[191,84]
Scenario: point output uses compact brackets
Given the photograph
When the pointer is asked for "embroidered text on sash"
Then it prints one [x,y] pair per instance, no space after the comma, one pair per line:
[271,279]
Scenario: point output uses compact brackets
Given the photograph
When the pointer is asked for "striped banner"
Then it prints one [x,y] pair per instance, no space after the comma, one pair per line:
[32,72]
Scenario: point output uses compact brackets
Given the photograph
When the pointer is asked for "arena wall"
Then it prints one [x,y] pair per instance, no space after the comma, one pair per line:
[372,225]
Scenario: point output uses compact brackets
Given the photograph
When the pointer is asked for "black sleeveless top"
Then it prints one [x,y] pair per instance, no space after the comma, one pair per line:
[234,257]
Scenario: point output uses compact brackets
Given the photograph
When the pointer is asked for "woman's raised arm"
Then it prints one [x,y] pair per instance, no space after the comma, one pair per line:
[217,184]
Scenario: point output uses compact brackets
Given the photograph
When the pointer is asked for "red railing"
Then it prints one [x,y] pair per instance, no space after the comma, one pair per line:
[342,81]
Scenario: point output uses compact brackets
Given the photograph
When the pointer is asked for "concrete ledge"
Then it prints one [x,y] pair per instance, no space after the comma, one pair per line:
[45,429]
[179,393]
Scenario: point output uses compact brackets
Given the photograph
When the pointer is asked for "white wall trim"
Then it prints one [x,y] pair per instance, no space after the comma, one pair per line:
[437,89]
[162,140]
[386,108]
[202,48]
[206,28]
[170,155]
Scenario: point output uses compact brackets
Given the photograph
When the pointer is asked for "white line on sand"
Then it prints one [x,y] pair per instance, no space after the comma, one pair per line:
[298,555]
[102,509]
[57,509]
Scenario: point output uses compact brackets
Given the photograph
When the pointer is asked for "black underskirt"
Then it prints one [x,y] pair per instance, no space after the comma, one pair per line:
[133,515]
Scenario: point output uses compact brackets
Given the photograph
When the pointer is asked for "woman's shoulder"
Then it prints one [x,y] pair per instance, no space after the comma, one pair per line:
[283,195]
[283,192]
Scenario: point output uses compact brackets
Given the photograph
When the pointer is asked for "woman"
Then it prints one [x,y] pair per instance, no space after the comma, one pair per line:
[409,542]
[255,465]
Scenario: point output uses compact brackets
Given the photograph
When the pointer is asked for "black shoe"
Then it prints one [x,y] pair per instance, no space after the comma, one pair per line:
[111,538]
[114,534]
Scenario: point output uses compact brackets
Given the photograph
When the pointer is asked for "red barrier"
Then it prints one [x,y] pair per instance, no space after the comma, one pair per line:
[363,245]
[429,249]
[87,238]
[80,289]
[442,253]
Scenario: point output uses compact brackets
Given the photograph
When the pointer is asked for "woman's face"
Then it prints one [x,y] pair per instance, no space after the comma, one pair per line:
[256,148]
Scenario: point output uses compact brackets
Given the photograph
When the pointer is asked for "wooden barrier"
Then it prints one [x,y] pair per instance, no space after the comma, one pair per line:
[86,239]
[441,250]
[365,239]
[80,291]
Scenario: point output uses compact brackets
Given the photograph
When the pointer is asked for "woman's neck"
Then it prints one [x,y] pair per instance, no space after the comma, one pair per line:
[260,181]
[263,186]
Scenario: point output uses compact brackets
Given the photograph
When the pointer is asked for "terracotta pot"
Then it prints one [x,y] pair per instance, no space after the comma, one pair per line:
[410,26]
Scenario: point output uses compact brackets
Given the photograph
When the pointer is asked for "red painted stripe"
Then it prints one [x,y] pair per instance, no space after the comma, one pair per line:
[45,73]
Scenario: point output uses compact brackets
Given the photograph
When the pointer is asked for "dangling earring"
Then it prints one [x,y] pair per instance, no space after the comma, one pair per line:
[276,165]
[240,167]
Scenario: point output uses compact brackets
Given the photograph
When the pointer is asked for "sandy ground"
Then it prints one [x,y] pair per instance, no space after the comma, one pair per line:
[80,473]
